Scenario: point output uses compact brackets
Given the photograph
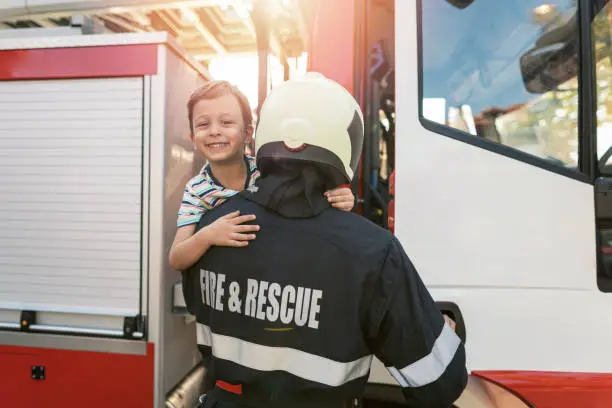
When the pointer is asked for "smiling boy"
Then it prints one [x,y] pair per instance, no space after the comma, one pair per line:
[221,125]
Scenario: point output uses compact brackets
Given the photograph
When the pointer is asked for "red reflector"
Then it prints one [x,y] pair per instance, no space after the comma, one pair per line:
[235,389]
[295,149]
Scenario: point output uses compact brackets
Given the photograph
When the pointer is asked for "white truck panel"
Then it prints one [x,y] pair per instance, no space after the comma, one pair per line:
[83,40]
[172,165]
[156,255]
[70,186]
[512,244]
[37,7]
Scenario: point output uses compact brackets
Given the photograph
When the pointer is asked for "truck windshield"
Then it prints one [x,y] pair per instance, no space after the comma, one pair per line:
[508,72]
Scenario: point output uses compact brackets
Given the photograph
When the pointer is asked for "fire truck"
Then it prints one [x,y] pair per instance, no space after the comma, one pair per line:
[488,153]
[489,138]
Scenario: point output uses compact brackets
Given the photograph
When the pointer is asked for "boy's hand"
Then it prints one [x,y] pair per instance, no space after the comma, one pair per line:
[450,322]
[227,231]
[341,198]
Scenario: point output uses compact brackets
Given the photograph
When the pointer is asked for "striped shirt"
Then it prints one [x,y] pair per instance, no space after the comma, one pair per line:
[204,192]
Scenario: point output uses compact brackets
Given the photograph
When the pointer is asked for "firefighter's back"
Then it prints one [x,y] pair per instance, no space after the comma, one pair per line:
[286,312]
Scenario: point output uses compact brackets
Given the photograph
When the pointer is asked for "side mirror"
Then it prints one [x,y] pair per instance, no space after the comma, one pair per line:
[553,60]
[461,4]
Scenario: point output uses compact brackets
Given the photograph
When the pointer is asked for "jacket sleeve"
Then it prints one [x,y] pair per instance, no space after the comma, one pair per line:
[407,332]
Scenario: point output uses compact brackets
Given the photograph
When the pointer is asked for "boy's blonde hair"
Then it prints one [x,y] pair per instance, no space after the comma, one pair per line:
[216,89]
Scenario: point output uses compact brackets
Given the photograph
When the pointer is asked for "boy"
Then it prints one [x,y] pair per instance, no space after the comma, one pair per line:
[220,122]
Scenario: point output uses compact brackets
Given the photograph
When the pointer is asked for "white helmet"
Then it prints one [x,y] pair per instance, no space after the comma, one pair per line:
[312,119]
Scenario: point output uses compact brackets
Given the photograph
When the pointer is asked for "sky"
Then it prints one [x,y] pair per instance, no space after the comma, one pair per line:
[242,71]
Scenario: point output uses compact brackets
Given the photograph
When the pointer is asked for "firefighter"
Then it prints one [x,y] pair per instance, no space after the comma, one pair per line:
[295,318]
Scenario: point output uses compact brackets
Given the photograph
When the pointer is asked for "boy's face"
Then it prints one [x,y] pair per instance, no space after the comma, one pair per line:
[218,132]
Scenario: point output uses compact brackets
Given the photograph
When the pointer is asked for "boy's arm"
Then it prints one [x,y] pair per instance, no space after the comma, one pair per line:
[188,247]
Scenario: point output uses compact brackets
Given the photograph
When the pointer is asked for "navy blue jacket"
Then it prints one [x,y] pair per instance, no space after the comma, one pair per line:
[301,311]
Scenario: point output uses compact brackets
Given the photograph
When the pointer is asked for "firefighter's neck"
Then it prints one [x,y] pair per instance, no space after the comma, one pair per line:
[231,174]
[296,191]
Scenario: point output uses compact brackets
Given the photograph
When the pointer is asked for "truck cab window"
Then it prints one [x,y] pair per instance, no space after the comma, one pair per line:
[505,71]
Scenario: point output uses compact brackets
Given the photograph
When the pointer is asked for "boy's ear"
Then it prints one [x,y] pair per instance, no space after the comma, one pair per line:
[191,137]
[249,134]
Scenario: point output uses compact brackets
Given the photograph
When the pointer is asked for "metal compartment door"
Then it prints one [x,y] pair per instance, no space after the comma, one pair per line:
[71,159]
